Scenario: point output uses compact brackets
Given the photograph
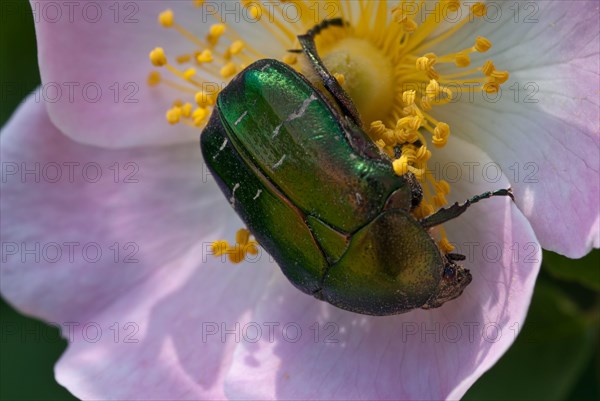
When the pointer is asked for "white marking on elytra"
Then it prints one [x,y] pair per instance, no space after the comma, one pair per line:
[358,198]
[303,108]
[279,163]
[296,114]
[276,131]
[232,199]
[265,67]
[257,194]
[240,118]
[220,149]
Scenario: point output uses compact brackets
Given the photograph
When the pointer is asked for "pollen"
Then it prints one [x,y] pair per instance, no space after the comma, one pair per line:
[237,253]
[157,57]
[166,18]
[393,60]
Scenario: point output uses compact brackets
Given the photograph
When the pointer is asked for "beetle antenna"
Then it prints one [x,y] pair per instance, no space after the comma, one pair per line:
[452,212]
[307,41]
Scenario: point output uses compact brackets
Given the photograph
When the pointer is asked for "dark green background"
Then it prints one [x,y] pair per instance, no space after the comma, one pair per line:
[555,357]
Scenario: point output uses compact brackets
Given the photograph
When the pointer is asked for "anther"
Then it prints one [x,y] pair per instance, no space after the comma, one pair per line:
[154,78]
[445,245]
[290,59]
[157,57]
[482,44]
[479,10]
[219,247]
[166,18]
[462,60]
[408,97]
[491,87]
[236,47]
[228,70]
[173,115]
[189,73]
[205,56]
[216,30]
[487,68]
[453,5]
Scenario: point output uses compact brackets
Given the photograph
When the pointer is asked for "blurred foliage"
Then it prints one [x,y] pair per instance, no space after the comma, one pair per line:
[30,350]
[556,356]
[585,271]
[19,74]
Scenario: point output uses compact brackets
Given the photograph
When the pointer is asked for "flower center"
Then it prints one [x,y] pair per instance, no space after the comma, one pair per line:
[365,73]
[384,57]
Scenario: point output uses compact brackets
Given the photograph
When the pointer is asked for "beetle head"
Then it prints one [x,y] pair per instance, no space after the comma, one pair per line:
[454,280]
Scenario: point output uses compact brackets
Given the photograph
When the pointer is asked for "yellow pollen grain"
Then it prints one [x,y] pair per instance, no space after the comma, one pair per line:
[166,18]
[219,247]
[500,76]
[453,5]
[482,44]
[242,236]
[491,87]
[186,110]
[189,73]
[205,99]
[462,60]
[205,56]
[237,253]
[173,115]
[479,10]
[442,187]
[157,57]
[236,47]
[400,165]
[217,30]
[184,58]
[408,97]
[228,70]
[154,78]
[487,68]
[290,59]
[340,78]
[445,245]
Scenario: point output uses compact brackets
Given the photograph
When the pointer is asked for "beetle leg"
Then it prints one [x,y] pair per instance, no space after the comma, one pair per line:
[455,256]
[307,41]
[445,214]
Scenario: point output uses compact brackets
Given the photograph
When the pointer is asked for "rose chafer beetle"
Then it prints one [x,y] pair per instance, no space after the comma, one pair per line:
[321,198]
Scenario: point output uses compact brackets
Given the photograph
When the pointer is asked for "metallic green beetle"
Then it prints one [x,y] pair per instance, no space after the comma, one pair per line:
[322,199]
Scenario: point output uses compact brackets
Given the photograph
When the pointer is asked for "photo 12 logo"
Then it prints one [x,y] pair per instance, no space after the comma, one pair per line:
[253,332]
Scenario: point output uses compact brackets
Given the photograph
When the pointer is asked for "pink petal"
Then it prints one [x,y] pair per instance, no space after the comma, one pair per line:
[149,311]
[418,355]
[111,54]
[545,135]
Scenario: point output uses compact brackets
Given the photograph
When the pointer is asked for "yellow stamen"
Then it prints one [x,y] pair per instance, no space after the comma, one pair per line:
[340,78]
[166,18]
[154,78]
[205,56]
[445,245]
[383,57]
[482,44]
[237,253]
[157,57]
[228,70]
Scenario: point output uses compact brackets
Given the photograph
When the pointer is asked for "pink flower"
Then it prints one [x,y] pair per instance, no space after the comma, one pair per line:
[108,213]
